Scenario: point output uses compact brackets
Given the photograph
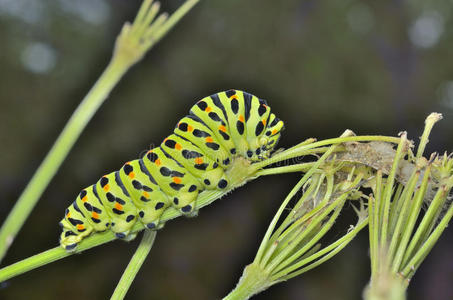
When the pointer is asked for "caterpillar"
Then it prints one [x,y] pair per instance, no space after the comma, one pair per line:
[195,157]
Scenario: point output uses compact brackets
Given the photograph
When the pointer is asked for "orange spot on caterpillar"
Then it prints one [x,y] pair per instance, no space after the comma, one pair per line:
[178,146]
[241,118]
[80,227]
[209,139]
[85,199]
[208,109]
[68,215]
[234,97]
[131,175]
[158,162]
[177,180]
[118,206]
[222,128]
[189,128]
[274,131]
[145,194]
[264,122]
[106,187]
[95,215]
[198,160]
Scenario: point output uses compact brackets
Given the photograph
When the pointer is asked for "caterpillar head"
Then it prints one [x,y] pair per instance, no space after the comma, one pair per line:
[272,135]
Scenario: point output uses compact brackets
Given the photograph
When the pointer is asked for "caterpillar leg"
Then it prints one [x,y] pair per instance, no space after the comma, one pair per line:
[150,214]
[130,236]
[185,202]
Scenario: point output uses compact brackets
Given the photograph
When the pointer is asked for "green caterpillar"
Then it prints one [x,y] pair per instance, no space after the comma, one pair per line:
[193,158]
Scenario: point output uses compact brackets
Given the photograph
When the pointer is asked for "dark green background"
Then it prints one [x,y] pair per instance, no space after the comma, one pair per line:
[323,66]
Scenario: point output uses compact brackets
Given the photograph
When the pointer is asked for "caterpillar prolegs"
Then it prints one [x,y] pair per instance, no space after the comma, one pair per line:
[195,157]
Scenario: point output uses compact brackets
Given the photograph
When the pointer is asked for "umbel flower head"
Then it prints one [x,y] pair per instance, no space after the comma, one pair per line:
[406,188]
[291,245]
[398,241]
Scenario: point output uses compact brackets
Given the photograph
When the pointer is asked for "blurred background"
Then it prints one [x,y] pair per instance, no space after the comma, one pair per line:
[374,67]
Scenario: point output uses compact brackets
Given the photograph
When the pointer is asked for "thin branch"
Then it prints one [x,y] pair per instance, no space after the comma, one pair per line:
[134,265]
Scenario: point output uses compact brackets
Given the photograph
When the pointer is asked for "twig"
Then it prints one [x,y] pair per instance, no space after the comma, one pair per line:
[134,265]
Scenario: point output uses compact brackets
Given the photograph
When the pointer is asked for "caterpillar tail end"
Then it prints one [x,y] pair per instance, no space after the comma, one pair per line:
[69,239]
[69,242]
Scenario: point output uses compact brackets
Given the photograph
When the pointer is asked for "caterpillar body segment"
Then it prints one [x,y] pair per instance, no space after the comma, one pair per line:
[195,157]
[235,114]
[146,195]
[194,130]
[211,111]
[173,179]
[207,170]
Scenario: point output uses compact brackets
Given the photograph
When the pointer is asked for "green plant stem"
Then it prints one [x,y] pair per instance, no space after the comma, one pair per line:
[402,215]
[94,240]
[52,255]
[386,286]
[308,193]
[262,248]
[253,281]
[414,212]
[301,149]
[397,204]
[278,261]
[373,234]
[134,265]
[374,211]
[429,219]
[328,252]
[125,55]
[303,167]
[174,19]
[429,123]
[400,151]
[58,153]
[426,247]
[311,241]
